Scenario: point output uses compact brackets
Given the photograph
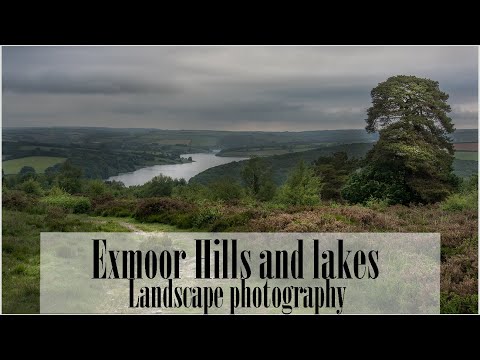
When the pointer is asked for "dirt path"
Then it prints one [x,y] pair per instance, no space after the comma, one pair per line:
[123,224]
[130,227]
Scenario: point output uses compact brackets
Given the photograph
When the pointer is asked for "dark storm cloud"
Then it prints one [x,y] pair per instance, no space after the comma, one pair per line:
[237,88]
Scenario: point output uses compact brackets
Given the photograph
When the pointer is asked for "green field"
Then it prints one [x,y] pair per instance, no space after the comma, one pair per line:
[466,155]
[39,163]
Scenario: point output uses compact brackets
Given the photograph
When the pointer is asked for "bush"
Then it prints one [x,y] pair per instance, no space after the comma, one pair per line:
[376,204]
[160,185]
[470,185]
[465,199]
[101,200]
[205,216]
[94,188]
[160,209]
[257,176]
[26,170]
[115,207]
[231,222]
[57,191]
[455,304]
[460,202]
[31,187]
[57,219]
[77,204]
[225,189]
[334,171]
[193,193]
[69,178]
[301,188]
[368,184]
[15,200]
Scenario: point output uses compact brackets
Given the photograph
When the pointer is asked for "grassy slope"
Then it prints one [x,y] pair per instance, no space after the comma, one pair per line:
[39,163]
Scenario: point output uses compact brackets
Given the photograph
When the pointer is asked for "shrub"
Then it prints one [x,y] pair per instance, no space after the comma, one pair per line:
[57,191]
[231,222]
[26,170]
[102,200]
[368,183]
[69,178]
[455,304]
[465,199]
[183,221]
[15,200]
[57,219]
[334,171]
[94,188]
[77,204]
[257,176]
[225,189]
[461,202]
[160,185]
[301,188]
[160,209]
[31,187]
[205,216]
[470,185]
[376,204]
[115,207]
[115,185]
[192,193]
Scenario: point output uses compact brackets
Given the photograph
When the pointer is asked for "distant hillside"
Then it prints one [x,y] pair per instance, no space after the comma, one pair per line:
[281,164]
[465,136]
[104,152]
[203,138]
[465,168]
[95,137]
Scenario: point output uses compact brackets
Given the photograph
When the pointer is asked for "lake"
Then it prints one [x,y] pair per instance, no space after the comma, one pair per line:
[186,171]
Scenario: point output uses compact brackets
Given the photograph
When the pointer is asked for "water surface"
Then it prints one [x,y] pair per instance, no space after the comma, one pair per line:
[186,171]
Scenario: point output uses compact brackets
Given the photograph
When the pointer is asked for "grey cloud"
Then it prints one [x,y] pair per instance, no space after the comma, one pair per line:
[231,88]
[84,84]
[465,119]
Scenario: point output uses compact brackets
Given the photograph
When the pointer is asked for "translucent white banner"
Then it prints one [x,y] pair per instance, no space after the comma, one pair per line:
[240,273]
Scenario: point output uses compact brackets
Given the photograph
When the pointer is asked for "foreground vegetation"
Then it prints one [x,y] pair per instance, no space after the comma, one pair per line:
[33,205]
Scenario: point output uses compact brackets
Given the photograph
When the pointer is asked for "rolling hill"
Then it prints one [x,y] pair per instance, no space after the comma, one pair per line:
[283,164]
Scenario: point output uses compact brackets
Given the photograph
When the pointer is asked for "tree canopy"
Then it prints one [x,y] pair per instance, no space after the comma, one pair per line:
[334,172]
[401,96]
[412,160]
[68,178]
[302,187]
[258,179]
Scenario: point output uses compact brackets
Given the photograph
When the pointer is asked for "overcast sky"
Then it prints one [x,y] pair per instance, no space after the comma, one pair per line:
[229,88]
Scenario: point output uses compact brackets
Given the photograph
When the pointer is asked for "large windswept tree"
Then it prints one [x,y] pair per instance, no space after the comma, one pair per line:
[412,161]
